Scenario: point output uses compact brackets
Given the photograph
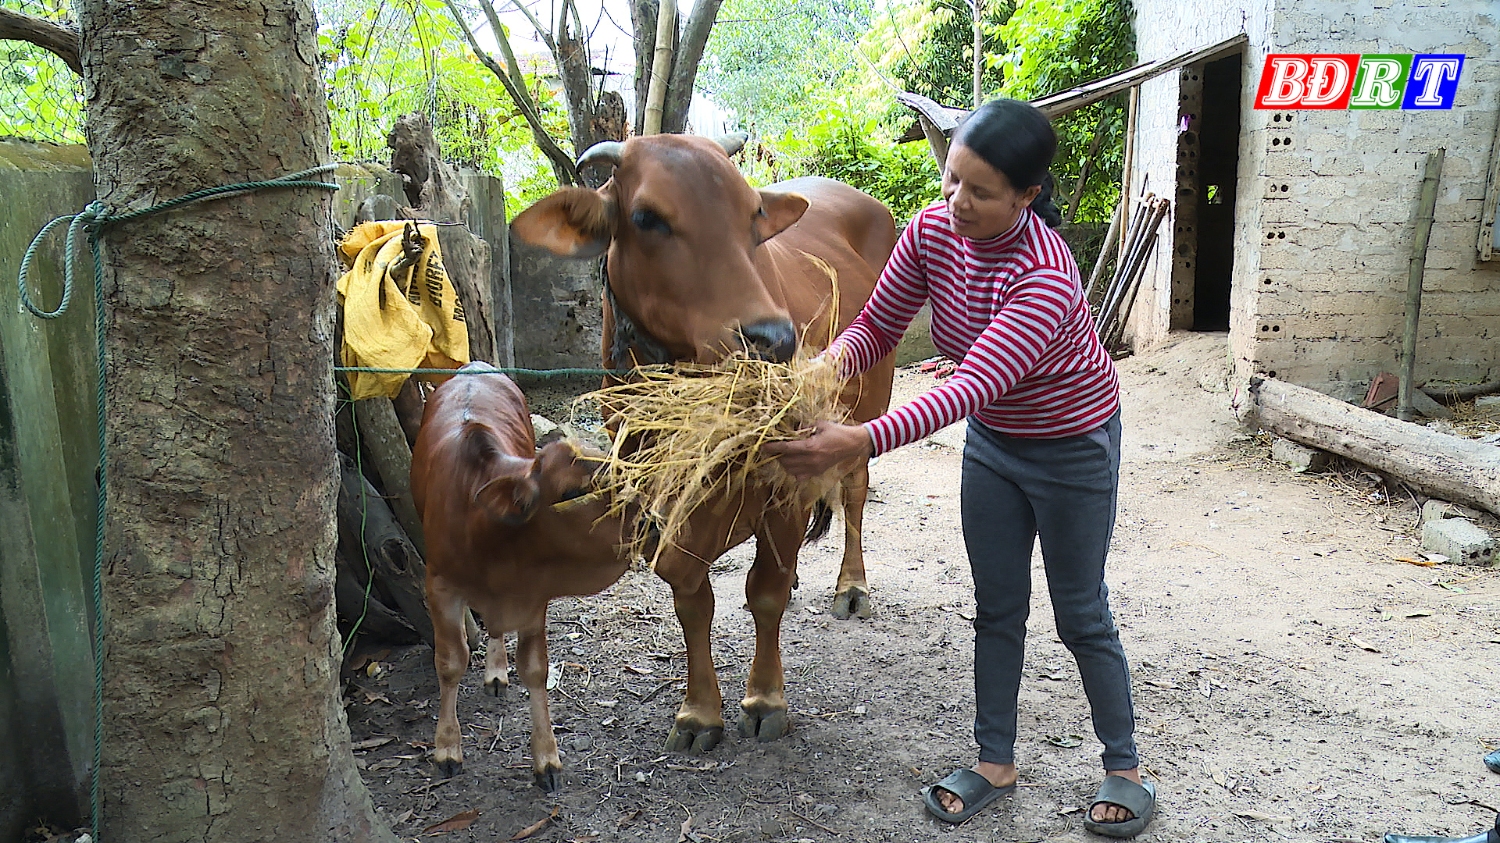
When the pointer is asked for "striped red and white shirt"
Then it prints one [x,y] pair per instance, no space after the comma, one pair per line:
[1010,311]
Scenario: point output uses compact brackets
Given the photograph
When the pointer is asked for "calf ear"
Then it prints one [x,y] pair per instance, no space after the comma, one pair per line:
[511,498]
[777,213]
[573,222]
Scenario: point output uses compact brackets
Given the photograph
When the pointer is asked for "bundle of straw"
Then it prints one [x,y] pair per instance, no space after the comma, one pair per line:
[691,433]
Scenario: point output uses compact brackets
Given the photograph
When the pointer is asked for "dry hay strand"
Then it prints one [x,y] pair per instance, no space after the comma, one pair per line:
[691,433]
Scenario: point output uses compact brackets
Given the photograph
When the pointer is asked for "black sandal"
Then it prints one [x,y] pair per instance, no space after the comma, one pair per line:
[975,791]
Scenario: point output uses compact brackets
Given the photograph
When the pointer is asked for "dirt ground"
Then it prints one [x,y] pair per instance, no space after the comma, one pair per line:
[1294,679]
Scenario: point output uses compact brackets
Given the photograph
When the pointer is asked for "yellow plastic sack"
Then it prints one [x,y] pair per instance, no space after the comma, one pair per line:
[397,315]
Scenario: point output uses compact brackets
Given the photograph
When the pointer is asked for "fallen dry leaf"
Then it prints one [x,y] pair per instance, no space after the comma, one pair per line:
[1422,563]
[1421,613]
[370,743]
[1362,645]
[538,825]
[687,835]
[404,816]
[457,822]
[1261,817]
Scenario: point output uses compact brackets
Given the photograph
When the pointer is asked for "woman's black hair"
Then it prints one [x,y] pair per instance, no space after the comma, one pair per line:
[1017,139]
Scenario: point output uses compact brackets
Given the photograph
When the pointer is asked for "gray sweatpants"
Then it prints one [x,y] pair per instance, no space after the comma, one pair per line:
[1064,490]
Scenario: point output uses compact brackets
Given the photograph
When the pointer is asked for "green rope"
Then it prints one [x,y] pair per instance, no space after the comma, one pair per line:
[528,373]
[94,219]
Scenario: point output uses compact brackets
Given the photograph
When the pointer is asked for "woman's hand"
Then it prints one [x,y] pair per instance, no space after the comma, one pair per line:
[831,444]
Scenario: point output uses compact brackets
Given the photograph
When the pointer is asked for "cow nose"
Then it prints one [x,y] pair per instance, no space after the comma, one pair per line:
[772,339]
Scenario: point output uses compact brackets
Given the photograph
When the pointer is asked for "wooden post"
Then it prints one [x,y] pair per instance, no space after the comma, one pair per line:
[1488,209]
[381,435]
[1106,249]
[1425,208]
[1127,173]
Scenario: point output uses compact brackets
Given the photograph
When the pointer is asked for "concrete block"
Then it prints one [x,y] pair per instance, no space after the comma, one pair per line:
[1488,405]
[1301,458]
[1460,540]
[544,428]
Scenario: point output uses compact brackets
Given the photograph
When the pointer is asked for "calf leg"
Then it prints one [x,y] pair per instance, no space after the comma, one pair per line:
[852,596]
[450,652]
[767,589]
[531,664]
[496,665]
[699,724]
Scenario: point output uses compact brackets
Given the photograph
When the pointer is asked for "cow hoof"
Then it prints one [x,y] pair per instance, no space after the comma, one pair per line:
[764,725]
[449,768]
[852,602]
[547,780]
[496,687]
[682,739]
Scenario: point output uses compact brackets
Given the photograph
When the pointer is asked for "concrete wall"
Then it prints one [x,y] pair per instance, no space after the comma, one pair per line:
[1326,198]
[48,453]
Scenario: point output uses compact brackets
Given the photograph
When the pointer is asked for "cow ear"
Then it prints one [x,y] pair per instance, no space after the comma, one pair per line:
[777,213]
[512,499]
[573,222]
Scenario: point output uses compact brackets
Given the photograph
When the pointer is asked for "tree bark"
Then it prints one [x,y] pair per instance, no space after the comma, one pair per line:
[643,14]
[369,533]
[685,69]
[1437,464]
[58,39]
[223,719]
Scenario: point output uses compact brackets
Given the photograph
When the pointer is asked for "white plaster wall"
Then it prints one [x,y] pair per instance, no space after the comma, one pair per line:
[1166,28]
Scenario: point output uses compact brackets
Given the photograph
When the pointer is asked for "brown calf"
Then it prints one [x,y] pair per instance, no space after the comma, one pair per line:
[508,529]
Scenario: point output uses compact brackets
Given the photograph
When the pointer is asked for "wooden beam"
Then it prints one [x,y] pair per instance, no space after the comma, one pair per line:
[1064,102]
[1448,467]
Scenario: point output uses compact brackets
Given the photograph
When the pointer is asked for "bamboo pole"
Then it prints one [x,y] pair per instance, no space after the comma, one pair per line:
[1417,267]
[661,67]
[1127,173]
[1106,249]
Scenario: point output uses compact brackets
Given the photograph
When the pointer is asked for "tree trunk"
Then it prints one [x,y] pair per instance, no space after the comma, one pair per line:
[643,14]
[1436,464]
[685,69]
[223,719]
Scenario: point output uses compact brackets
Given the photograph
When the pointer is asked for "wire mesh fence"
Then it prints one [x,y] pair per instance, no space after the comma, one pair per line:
[41,99]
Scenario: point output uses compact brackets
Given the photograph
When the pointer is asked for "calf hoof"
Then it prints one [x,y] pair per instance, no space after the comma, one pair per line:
[684,738]
[448,768]
[852,601]
[496,687]
[549,779]
[764,725]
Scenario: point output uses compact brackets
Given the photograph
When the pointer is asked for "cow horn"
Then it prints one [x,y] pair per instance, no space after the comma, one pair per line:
[732,143]
[603,152]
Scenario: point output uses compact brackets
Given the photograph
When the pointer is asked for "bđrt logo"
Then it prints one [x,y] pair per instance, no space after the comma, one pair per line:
[1338,81]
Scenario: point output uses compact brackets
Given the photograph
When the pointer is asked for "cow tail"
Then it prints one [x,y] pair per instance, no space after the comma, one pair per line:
[822,518]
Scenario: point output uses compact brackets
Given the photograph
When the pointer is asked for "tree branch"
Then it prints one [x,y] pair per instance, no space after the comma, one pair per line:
[60,39]
[562,163]
[685,70]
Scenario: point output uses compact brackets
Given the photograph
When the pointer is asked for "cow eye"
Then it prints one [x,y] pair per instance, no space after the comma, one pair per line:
[647,220]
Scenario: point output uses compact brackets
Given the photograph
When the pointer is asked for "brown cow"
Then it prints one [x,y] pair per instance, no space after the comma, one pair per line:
[508,529]
[701,264]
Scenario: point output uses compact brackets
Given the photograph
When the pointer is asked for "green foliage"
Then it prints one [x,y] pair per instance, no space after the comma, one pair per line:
[385,59]
[844,143]
[767,59]
[1056,46]
[40,97]
[927,46]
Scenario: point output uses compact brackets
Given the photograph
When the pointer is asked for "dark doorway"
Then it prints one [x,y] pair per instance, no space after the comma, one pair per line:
[1218,167]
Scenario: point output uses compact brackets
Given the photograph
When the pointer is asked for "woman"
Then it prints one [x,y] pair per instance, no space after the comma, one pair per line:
[1043,449]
